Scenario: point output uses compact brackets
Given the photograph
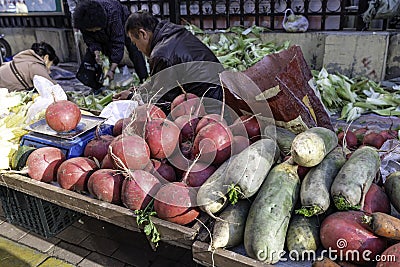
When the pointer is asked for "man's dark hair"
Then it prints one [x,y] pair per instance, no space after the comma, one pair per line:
[42,49]
[140,20]
[89,14]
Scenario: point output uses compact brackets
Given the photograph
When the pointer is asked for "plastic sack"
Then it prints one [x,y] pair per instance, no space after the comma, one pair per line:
[294,23]
[117,110]
[381,9]
[48,93]
[283,78]
[390,161]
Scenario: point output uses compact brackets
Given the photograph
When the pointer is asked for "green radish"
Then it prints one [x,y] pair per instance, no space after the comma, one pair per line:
[211,196]
[247,171]
[229,231]
[310,147]
[392,189]
[303,234]
[282,136]
[316,185]
[269,215]
[354,179]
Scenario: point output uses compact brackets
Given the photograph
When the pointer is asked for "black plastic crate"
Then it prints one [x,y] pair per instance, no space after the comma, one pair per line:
[35,214]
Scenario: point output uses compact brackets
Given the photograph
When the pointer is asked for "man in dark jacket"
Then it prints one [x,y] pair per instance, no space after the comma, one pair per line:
[176,58]
[102,23]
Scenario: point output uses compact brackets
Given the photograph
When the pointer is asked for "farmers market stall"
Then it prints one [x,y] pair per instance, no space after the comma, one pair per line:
[283,175]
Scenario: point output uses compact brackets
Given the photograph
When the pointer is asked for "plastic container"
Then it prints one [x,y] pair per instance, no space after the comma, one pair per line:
[34,214]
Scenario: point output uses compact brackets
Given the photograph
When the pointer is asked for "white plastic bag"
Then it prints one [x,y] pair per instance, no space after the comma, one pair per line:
[294,23]
[117,110]
[48,93]
[390,158]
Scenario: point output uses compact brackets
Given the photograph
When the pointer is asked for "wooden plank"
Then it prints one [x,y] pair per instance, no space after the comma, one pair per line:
[172,233]
[222,257]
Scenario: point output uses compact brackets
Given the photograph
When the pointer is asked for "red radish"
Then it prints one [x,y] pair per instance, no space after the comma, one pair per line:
[139,118]
[214,143]
[107,162]
[187,125]
[139,189]
[166,171]
[98,147]
[180,163]
[176,202]
[120,125]
[239,143]
[44,162]
[209,119]
[63,116]
[147,111]
[373,139]
[250,124]
[74,173]
[162,136]
[198,174]
[360,135]
[130,152]
[187,149]
[187,104]
[351,139]
[389,134]
[376,200]
[105,184]
[302,171]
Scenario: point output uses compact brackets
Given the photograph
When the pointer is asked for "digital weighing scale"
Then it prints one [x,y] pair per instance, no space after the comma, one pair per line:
[72,143]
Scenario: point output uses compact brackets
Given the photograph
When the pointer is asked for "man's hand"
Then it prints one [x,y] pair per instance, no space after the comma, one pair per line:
[123,95]
[110,75]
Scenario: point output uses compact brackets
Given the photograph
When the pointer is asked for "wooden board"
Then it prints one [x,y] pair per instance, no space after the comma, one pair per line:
[171,233]
[221,257]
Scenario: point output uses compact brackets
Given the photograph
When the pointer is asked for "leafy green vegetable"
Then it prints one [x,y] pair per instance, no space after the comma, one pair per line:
[144,219]
[234,192]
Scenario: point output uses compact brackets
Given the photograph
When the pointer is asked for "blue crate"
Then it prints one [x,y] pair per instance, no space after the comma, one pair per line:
[70,147]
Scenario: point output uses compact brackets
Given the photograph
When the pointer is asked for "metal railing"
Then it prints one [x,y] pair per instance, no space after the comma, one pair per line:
[215,14]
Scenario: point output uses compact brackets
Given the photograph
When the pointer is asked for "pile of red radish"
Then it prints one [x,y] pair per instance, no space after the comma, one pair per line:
[154,157]
[364,136]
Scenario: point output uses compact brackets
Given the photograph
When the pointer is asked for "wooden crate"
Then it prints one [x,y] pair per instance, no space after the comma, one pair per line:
[171,233]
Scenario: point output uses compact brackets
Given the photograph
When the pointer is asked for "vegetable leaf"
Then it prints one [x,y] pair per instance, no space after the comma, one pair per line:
[233,193]
[144,219]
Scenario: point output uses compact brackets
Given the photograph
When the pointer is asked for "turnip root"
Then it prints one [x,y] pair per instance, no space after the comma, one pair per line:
[250,123]
[165,170]
[187,125]
[73,174]
[229,230]
[105,184]
[376,200]
[162,137]
[44,162]
[373,139]
[187,104]
[98,147]
[248,169]
[309,148]
[132,150]
[176,202]
[211,196]
[63,116]
[213,142]
[354,179]
[120,125]
[209,119]
[138,189]
[198,174]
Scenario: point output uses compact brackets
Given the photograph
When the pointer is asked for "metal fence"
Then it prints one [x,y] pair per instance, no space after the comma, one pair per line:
[322,14]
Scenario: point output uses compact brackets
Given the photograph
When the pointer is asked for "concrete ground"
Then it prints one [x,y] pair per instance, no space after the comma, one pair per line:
[86,243]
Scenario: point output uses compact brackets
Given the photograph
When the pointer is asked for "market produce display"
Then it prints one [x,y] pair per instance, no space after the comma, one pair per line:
[262,187]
